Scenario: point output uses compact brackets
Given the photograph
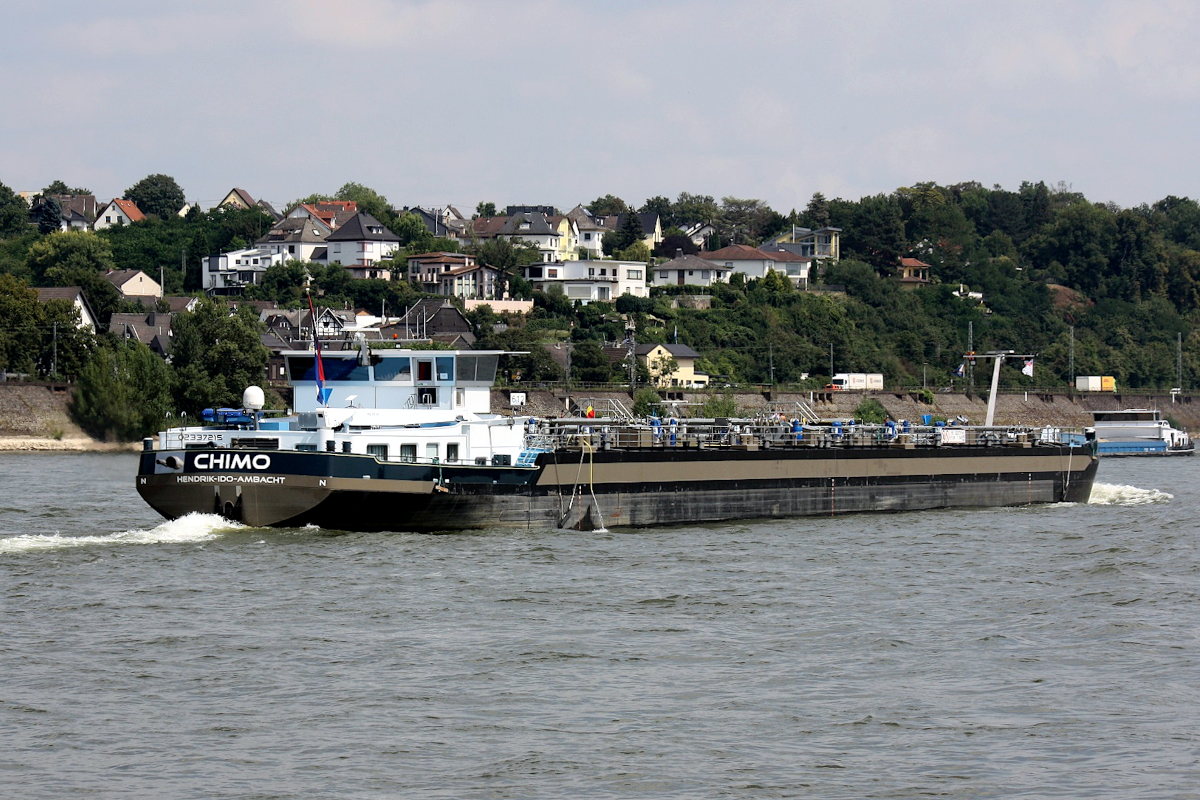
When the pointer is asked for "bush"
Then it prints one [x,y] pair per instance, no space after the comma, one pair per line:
[871,410]
[719,405]
[645,402]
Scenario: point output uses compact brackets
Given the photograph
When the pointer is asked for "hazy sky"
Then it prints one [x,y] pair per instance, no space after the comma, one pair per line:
[558,102]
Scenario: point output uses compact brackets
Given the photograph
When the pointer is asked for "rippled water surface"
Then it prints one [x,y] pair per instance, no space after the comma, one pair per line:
[1035,652]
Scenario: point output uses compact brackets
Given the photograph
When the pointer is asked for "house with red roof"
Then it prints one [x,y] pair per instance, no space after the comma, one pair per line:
[118,212]
[913,273]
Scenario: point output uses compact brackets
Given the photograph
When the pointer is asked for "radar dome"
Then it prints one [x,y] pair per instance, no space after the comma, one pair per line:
[252,398]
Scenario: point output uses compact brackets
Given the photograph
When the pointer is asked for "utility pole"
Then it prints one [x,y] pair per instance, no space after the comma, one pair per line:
[771,356]
[54,358]
[831,361]
[971,350]
[1179,361]
[1071,358]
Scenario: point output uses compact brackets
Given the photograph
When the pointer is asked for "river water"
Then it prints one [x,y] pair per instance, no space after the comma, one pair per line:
[1037,652]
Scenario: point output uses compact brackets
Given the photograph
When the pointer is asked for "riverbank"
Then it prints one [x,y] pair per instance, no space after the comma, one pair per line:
[34,416]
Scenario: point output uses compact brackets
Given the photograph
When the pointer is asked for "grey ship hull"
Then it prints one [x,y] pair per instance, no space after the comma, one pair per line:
[638,487]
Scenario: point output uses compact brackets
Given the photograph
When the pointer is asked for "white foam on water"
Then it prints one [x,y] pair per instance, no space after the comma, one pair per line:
[187,529]
[1109,494]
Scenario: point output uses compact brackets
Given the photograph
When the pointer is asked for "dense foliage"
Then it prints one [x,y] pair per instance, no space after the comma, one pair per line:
[1060,276]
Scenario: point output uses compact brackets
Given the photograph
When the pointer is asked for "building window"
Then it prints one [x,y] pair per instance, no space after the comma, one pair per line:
[634,274]
[551,273]
[662,276]
[587,237]
[291,248]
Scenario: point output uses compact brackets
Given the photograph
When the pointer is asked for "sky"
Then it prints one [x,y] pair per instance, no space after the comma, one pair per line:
[558,102]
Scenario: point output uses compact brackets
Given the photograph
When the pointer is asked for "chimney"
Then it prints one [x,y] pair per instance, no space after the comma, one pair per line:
[679,252]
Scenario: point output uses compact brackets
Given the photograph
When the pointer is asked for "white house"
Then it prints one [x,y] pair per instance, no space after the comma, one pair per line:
[476,281]
[133,283]
[360,244]
[117,212]
[589,281]
[229,273]
[689,270]
[300,238]
[75,296]
[530,227]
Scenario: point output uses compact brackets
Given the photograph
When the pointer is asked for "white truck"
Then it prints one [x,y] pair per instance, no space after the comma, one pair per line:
[857,381]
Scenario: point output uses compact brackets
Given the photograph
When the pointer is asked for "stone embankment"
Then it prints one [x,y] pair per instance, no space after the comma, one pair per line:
[33,416]
[1033,409]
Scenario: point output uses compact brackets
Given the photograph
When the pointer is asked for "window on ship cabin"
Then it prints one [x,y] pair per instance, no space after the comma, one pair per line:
[452,453]
[408,453]
[431,453]
[424,370]
[380,451]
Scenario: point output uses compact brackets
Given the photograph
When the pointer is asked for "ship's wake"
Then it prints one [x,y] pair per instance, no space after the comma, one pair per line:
[1109,494]
[189,529]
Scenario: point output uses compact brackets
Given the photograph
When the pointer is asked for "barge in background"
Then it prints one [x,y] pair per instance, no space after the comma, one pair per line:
[406,441]
[1139,432]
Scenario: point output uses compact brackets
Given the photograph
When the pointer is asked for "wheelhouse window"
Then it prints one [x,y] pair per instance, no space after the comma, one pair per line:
[424,370]
[394,369]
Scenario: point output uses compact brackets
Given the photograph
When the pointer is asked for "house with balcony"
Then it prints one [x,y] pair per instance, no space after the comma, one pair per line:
[913,273]
[473,282]
[589,232]
[298,238]
[230,273]
[426,270]
[589,281]
[360,244]
[822,244]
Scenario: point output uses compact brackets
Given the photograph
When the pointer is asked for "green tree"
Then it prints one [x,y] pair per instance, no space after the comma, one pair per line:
[589,364]
[607,206]
[816,213]
[743,221]
[414,236]
[21,329]
[123,394]
[68,250]
[14,214]
[485,209]
[662,206]
[157,194]
[370,201]
[692,208]
[876,233]
[629,231]
[216,356]
[48,213]
[58,187]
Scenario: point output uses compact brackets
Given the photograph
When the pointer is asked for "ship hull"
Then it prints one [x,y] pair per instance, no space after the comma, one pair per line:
[573,489]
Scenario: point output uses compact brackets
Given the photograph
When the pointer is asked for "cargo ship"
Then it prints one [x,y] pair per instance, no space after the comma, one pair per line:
[406,440]
[1139,432]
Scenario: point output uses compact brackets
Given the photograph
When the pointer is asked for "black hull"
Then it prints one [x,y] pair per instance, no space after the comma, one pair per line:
[654,486]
